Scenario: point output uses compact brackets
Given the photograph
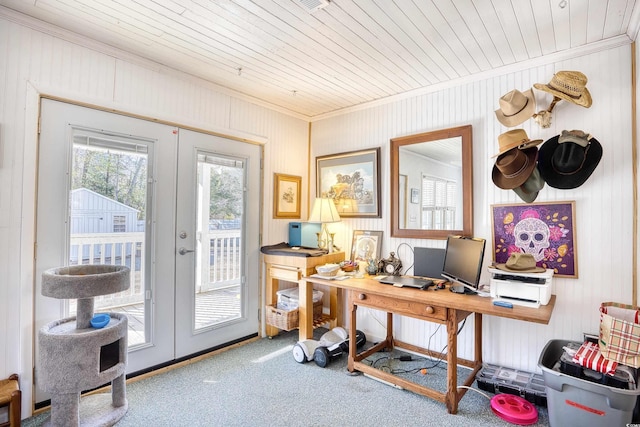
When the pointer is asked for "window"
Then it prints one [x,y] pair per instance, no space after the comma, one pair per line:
[119,224]
[438,203]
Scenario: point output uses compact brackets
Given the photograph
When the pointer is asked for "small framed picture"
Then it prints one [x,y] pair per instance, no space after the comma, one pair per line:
[286,195]
[366,245]
[415,195]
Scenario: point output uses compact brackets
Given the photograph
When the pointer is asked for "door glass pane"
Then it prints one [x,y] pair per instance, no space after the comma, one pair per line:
[218,290]
[107,212]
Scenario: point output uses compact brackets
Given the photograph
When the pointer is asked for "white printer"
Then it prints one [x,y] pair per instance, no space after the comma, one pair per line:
[527,289]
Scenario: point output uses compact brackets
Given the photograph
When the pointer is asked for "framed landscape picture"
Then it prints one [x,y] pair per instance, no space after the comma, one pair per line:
[545,230]
[352,180]
[286,194]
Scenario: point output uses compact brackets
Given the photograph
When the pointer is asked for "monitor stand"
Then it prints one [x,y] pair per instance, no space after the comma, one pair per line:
[461,289]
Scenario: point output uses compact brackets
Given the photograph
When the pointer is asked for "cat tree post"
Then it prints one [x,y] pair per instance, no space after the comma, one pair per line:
[75,356]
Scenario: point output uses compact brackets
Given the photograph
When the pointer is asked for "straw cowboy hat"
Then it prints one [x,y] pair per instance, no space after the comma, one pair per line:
[516,107]
[514,167]
[515,138]
[521,263]
[528,191]
[570,86]
[568,160]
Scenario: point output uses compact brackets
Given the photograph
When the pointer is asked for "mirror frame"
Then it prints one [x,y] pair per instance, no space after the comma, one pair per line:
[467,182]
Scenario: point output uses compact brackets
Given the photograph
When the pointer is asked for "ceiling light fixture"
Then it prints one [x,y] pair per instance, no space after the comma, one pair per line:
[563,4]
[313,5]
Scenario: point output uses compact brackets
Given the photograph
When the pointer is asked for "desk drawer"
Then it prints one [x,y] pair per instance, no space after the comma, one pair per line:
[411,308]
[283,273]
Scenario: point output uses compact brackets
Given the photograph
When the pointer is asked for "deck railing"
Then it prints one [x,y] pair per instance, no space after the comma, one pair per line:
[221,267]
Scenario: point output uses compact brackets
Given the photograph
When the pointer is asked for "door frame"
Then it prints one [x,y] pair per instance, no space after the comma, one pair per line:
[33,98]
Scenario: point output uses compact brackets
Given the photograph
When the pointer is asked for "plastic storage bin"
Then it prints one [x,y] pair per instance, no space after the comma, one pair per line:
[577,402]
[289,299]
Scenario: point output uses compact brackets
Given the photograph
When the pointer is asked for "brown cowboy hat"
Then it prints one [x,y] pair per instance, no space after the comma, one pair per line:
[515,138]
[513,167]
[516,107]
[568,160]
[570,86]
[521,263]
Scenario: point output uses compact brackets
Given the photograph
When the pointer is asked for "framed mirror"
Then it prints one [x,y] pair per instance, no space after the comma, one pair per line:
[431,184]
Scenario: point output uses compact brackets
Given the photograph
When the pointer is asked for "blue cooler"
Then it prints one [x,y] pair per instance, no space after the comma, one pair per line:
[304,234]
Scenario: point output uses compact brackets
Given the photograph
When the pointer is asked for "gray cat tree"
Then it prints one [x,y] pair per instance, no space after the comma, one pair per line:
[75,356]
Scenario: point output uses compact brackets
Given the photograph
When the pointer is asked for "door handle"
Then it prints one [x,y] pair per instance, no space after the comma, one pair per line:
[183,251]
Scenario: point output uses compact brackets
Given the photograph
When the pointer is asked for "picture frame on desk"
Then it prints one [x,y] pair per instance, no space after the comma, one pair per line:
[546,230]
[286,196]
[366,245]
[352,180]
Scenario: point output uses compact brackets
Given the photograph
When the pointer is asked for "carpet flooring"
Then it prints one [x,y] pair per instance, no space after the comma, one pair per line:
[260,384]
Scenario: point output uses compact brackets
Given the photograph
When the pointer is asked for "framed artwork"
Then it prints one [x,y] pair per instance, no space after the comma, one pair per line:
[286,194]
[415,195]
[366,245]
[352,180]
[545,230]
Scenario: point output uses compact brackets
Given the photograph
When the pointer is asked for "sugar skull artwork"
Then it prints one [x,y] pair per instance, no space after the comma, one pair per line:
[532,236]
[545,230]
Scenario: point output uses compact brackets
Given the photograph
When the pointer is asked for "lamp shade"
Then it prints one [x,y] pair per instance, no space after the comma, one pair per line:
[324,210]
[347,206]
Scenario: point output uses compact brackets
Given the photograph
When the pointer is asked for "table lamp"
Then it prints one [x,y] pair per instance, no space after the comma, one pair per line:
[324,211]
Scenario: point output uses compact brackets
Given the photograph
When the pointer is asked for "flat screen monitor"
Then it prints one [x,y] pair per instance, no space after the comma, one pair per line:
[463,263]
[428,262]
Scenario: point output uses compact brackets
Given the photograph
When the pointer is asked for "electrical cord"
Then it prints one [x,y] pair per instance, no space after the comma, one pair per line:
[398,252]
[476,390]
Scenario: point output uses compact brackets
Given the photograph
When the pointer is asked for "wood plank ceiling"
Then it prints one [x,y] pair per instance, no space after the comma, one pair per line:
[347,53]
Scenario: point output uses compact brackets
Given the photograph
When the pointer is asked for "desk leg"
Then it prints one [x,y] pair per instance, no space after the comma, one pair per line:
[451,397]
[390,331]
[478,339]
[352,332]
[270,299]
[336,307]
[305,308]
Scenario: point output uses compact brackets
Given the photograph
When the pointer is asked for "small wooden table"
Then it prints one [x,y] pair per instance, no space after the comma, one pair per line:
[293,269]
[440,306]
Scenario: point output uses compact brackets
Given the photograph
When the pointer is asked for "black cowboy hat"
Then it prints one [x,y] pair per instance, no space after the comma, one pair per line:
[568,160]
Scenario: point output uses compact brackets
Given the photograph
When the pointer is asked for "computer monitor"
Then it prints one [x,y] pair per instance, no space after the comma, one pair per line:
[428,262]
[463,263]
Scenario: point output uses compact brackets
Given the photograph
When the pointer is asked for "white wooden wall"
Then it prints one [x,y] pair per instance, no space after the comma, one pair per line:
[34,62]
[604,204]
[37,62]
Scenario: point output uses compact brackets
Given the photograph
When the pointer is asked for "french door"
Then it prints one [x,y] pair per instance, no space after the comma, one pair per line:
[180,208]
[214,303]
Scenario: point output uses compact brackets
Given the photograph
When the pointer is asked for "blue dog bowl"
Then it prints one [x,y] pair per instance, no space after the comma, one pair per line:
[100,320]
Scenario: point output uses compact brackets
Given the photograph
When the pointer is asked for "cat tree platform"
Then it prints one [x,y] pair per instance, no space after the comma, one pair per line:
[75,356]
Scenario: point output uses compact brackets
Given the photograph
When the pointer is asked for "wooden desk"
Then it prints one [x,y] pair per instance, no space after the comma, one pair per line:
[440,306]
[293,269]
